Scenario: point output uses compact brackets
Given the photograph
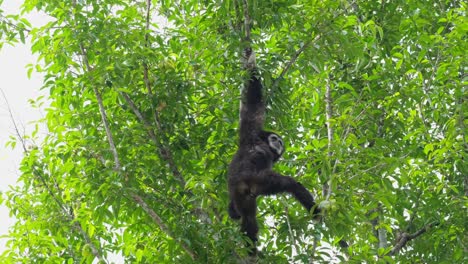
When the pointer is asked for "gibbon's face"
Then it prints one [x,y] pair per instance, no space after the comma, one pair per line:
[276,144]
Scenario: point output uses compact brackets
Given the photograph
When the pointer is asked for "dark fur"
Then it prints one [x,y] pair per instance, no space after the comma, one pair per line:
[250,171]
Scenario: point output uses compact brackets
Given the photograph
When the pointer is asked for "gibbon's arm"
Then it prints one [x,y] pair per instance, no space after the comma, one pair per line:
[269,182]
[252,110]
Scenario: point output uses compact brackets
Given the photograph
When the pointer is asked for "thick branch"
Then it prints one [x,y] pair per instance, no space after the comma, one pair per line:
[145,65]
[88,241]
[379,232]
[107,128]
[403,238]
[382,235]
[248,57]
[247,22]
[329,115]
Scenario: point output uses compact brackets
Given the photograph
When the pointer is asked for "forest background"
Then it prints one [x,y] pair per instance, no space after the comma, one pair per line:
[141,115]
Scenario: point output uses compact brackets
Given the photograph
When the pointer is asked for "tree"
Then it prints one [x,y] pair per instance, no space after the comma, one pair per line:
[370,97]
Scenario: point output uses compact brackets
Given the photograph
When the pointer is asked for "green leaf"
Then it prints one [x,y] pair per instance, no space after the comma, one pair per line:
[142,119]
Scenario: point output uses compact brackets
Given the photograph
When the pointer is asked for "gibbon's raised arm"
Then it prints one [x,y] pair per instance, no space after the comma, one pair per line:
[252,110]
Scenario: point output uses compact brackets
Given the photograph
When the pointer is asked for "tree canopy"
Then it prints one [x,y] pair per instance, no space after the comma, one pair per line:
[142,118]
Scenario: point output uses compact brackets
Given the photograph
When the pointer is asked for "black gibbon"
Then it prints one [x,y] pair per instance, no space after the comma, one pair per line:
[250,173]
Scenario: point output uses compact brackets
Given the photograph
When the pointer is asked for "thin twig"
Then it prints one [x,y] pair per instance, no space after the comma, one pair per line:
[314,250]
[23,143]
[414,210]
[6,21]
[291,235]
[107,129]
[148,11]
[293,60]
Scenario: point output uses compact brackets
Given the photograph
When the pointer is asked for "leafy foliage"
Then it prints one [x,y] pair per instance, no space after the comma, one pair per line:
[143,121]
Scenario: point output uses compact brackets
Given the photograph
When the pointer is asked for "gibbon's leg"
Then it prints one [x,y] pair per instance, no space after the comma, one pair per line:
[247,208]
[270,182]
[233,213]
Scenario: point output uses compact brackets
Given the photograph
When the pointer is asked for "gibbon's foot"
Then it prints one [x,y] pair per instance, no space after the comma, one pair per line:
[251,248]
[316,213]
[319,209]
[253,252]
[251,259]
[232,211]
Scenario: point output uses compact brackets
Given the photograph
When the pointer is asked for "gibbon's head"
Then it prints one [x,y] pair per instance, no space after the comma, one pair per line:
[275,143]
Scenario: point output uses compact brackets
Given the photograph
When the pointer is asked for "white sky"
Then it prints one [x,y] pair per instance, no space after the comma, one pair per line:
[18,90]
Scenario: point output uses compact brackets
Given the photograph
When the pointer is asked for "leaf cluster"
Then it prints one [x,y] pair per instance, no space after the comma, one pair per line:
[143,118]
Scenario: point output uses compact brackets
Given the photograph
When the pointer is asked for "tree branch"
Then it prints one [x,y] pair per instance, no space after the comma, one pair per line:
[163,151]
[379,232]
[161,224]
[301,49]
[102,111]
[145,65]
[248,55]
[18,134]
[117,166]
[66,211]
[247,22]
[326,190]
[291,234]
[293,60]
[88,241]
[25,150]
[18,28]
[403,238]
